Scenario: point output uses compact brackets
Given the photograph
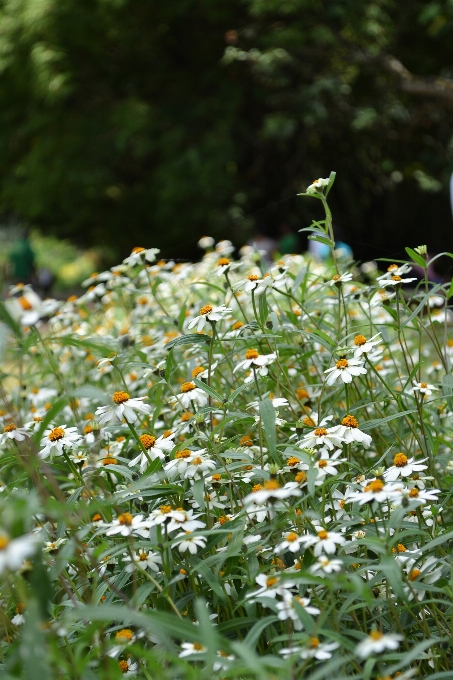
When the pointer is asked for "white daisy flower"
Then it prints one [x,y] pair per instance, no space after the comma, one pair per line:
[322,436]
[291,541]
[374,490]
[272,491]
[317,186]
[189,648]
[126,525]
[181,461]
[141,255]
[157,448]
[346,370]
[209,313]
[142,559]
[124,407]
[363,346]
[12,432]
[318,650]
[270,586]
[258,362]
[324,541]
[377,642]
[395,270]
[403,467]
[57,438]
[190,393]
[428,573]
[350,433]
[338,279]
[416,495]
[424,388]
[253,282]
[287,610]
[395,280]
[13,551]
[198,466]
[189,542]
[327,565]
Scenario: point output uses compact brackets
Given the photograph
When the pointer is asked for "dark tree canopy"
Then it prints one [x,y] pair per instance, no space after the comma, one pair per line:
[138,122]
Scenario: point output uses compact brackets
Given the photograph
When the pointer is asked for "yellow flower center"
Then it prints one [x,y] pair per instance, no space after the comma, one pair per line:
[24,303]
[257,488]
[414,574]
[376,635]
[400,460]
[4,542]
[197,370]
[322,463]
[223,261]
[197,461]
[271,485]
[292,537]
[301,477]
[392,267]
[137,250]
[120,397]
[185,453]
[187,387]
[359,340]
[143,556]
[313,642]
[147,440]
[165,509]
[302,393]
[197,646]
[342,363]
[424,385]
[9,428]
[375,485]
[293,461]
[186,416]
[308,421]
[251,354]
[320,432]
[337,277]
[87,429]
[236,326]
[323,534]
[253,277]
[246,440]
[206,310]
[413,493]
[124,634]
[124,666]
[342,503]
[125,518]
[57,433]
[350,421]
[271,581]
[396,278]
[109,461]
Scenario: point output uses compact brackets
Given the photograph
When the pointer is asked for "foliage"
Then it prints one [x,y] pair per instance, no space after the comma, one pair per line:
[214,470]
[119,113]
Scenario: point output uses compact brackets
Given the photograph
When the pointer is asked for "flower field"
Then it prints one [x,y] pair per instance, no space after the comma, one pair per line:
[227,470]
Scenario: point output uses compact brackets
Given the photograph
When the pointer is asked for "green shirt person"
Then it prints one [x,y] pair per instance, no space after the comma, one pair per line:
[22,260]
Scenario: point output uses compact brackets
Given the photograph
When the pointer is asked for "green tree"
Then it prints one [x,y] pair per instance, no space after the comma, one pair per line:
[137,122]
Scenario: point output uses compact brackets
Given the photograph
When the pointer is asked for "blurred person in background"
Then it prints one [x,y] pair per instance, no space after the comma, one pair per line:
[288,242]
[21,259]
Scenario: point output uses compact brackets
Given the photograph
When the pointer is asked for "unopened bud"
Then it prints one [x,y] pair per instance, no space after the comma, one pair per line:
[421,250]
[273,469]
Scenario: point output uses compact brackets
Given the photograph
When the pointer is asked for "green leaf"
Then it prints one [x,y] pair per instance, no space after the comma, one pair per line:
[198,492]
[332,177]
[263,309]
[369,424]
[418,259]
[209,390]
[267,413]
[237,391]
[190,339]
[322,239]
[33,648]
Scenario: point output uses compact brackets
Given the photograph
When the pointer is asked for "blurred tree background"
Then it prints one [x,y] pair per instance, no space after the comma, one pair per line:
[142,122]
